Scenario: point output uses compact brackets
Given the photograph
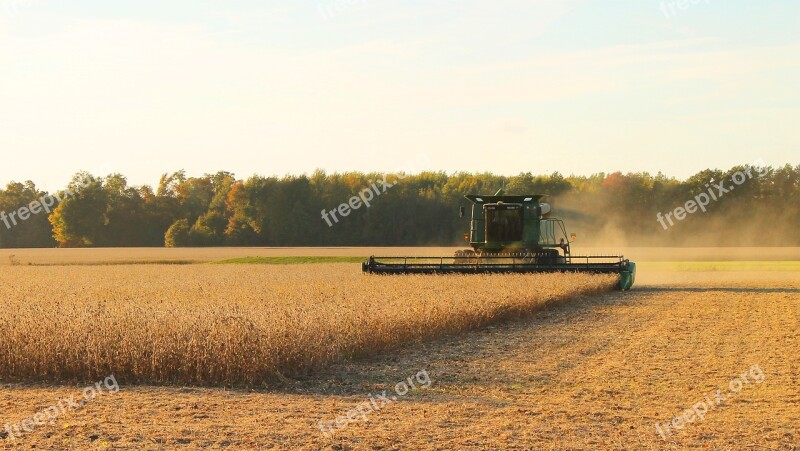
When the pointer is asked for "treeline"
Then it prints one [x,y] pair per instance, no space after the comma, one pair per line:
[404,210]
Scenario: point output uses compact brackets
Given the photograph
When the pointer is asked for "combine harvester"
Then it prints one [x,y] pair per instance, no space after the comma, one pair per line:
[510,234]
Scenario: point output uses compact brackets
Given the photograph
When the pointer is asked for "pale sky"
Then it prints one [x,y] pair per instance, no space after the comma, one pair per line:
[577,86]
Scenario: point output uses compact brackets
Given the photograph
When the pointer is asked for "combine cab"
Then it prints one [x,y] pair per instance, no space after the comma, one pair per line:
[510,234]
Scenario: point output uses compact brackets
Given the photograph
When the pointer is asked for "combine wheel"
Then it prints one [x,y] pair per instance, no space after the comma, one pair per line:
[549,257]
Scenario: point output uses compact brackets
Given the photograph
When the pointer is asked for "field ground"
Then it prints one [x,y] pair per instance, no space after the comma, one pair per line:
[598,373]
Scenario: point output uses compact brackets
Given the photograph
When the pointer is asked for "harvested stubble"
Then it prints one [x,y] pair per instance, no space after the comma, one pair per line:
[240,325]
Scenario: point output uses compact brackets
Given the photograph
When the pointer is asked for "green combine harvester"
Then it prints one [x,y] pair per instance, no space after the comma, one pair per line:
[510,234]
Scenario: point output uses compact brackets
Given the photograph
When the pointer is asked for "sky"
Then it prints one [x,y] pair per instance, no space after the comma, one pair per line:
[508,86]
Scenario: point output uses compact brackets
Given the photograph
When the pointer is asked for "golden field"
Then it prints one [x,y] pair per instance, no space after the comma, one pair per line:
[591,372]
[240,324]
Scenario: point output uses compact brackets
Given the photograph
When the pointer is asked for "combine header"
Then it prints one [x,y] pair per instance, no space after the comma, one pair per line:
[510,234]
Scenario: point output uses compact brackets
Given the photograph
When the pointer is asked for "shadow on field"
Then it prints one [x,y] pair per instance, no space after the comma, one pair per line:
[722,289]
[457,362]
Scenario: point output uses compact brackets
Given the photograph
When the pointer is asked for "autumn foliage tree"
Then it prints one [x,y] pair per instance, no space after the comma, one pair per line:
[221,210]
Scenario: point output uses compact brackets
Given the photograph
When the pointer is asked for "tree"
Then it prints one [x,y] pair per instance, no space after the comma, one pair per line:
[208,230]
[217,209]
[80,217]
[178,234]
[36,230]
